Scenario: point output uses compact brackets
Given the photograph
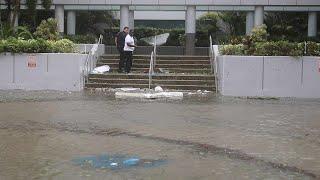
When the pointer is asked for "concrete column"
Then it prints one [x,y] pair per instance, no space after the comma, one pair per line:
[131,19]
[190,29]
[71,23]
[249,22]
[16,22]
[124,16]
[59,15]
[258,15]
[312,24]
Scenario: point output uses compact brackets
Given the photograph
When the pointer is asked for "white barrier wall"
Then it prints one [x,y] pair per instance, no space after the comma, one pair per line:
[266,76]
[42,71]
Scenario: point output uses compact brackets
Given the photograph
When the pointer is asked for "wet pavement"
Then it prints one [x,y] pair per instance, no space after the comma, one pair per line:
[200,137]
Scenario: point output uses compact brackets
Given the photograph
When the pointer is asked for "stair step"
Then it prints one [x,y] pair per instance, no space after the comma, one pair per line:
[183,73]
[166,66]
[178,87]
[154,81]
[157,76]
[170,70]
[161,57]
[147,61]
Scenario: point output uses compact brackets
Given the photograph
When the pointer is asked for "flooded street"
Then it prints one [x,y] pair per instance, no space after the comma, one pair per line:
[200,137]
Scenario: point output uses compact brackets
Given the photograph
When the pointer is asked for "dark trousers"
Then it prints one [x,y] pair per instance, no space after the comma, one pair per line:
[122,58]
[128,61]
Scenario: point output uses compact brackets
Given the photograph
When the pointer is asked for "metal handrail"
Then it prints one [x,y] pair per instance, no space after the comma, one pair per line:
[91,59]
[155,50]
[153,58]
[213,63]
[151,68]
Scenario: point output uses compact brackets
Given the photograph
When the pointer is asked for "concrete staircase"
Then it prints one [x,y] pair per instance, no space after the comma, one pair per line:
[172,72]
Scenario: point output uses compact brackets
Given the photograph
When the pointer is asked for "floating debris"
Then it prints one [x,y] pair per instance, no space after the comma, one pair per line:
[115,162]
[149,95]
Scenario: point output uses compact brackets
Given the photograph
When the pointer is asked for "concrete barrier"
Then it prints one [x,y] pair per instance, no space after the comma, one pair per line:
[42,71]
[266,76]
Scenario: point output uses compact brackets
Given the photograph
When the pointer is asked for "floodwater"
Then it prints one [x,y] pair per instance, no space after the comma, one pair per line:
[200,137]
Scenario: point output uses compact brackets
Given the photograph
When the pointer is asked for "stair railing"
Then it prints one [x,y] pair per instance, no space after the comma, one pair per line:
[213,63]
[91,59]
[155,51]
[151,69]
[153,58]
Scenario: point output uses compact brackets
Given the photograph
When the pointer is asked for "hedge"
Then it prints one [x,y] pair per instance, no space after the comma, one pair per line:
[16,45]
[258,44]
[273,48]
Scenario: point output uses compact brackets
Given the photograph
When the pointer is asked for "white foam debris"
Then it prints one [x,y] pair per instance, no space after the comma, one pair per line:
[128,89]
[158,89]
[143,95]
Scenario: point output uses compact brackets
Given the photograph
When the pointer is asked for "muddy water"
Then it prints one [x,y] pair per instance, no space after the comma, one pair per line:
[201,137]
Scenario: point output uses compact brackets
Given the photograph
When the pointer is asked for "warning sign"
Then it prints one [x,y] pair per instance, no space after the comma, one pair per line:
[32,62]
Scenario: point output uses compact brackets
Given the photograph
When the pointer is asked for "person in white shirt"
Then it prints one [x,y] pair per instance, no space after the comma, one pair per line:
[128,50]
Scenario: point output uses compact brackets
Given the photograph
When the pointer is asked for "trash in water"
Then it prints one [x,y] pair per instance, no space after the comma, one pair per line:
[128,89]
[115,162]
[149,95]
[101,69]
[131,162]
[158,89]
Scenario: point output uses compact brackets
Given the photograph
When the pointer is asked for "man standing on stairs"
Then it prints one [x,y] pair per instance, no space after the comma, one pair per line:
[120,40]
[128,50]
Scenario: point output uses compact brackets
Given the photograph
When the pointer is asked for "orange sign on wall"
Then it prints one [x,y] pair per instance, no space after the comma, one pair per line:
[32,62]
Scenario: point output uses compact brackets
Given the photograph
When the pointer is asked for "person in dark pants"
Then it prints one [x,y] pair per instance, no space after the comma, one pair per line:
[120,40]
[128,50]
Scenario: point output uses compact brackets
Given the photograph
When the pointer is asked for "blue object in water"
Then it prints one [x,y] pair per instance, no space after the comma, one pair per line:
[131,162]
[115,162]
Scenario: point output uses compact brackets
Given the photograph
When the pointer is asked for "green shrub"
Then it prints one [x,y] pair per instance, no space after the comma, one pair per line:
[232,49]
[16,45]
[2,45]
[278,48]
[259,33]
[63,45]
[312,49]
[48,30]
[82,39]
[273,48]
[23,32]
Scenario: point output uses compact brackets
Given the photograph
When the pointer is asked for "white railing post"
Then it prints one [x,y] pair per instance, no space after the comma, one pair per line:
[155,51]
[151,70]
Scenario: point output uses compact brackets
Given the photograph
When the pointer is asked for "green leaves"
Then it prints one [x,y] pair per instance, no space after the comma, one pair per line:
[257,44]
[48,30]
[82,39]
[63,45]
[274,48]
[18,45]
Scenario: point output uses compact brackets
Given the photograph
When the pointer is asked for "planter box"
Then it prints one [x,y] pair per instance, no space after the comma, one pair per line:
[42,71]
[269,76]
